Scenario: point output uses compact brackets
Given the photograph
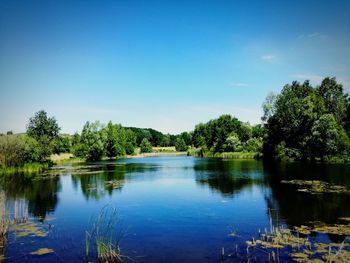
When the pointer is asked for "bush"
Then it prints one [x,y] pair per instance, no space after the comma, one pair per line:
[145,146]
[180,145]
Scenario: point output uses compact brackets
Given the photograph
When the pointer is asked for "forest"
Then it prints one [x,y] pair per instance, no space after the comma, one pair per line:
[301,123]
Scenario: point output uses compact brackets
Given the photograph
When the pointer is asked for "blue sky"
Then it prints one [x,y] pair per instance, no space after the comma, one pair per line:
[167,65]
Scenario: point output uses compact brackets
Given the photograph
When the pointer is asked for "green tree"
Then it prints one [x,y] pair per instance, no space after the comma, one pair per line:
[41,125]
[307,122]
[111,143]
[180,145]
[334,98]
[45,130]
[91,142]
[327,137]
[269,106]
[233,142]
[145,146]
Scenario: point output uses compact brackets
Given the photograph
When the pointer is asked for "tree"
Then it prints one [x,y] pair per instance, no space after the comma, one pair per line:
[91,142]
[307,122]
[245,132]
[145,146]
[186,137]
[41,125]
[269,106]
[234,143]
[111,143]
[180,145]
[45,131]
[334,98]
[130,141]
[327,137]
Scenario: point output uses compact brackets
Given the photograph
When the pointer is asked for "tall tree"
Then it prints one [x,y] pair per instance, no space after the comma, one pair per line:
[45,130]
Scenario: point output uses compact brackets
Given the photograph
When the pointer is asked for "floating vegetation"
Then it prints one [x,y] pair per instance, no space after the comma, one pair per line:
[42,251]
[295,244]
[114,183]
[28,229]
[74,170]
[319,227]
[317,187]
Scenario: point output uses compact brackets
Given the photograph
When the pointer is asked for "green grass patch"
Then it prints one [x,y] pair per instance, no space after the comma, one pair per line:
[28,168]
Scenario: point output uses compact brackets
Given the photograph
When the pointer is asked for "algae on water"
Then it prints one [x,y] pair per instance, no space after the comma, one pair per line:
[317,187]
[42,251]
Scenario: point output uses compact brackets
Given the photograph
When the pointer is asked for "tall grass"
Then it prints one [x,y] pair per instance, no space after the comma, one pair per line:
[102,240]
[4,224]
[198,152]
[28,168]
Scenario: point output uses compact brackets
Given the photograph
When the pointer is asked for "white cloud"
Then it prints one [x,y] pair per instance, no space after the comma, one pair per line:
[239,84]
[268,57]
[314,35]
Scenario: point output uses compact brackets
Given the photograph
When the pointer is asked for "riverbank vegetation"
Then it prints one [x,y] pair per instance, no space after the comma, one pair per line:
[301,123]
[308,123]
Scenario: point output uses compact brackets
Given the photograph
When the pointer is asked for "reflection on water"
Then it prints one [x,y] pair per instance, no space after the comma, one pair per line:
[177,209]
[36,197]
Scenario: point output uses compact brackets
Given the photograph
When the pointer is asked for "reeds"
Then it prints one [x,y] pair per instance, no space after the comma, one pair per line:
[104,236]
[28,168]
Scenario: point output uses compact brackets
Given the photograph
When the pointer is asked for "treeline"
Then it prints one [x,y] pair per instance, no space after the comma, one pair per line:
[300,123]
[308,123]
[227,134]
[96,141]
[40,141]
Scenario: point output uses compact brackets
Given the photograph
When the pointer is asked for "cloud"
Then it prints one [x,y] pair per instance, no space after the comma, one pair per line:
[314,35]
[312,77]
[239,84]
[268,57]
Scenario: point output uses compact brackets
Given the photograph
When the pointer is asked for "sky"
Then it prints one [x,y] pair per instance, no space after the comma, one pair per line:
[167,65]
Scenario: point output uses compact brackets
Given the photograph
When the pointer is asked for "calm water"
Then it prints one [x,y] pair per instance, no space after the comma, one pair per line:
[173,209]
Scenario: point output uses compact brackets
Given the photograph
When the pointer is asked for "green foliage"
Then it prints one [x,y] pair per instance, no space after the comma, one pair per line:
[91,145]
[112,146]
[41,125]
[17,150]
[145,146]
[180,145]
[227,134]
[307,122]
[45,131]
[62,144]
[233,142]
[253,145]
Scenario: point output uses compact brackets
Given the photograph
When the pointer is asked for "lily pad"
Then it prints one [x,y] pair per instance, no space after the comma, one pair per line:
[42,251]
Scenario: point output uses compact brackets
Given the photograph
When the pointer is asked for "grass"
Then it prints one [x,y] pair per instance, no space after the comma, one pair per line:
[4,225]
[225,155]
[28,168]
[102,240]
[236,155]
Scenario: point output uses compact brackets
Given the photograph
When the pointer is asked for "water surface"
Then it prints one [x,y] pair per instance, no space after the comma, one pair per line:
[173,209]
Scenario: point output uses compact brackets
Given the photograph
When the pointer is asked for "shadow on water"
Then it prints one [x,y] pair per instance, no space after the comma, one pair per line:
[297,207]
[35,197]
[109,177]
[228,177]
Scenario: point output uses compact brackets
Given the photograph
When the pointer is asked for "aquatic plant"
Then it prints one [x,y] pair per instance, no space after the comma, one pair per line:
[295,243]
[317,187]
[104,236]
[42,251]
[4,225]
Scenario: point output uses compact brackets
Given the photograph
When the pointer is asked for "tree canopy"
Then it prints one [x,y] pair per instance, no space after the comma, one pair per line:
[307,122]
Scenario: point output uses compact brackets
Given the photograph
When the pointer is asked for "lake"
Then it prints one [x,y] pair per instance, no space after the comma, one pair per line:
[168,209]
